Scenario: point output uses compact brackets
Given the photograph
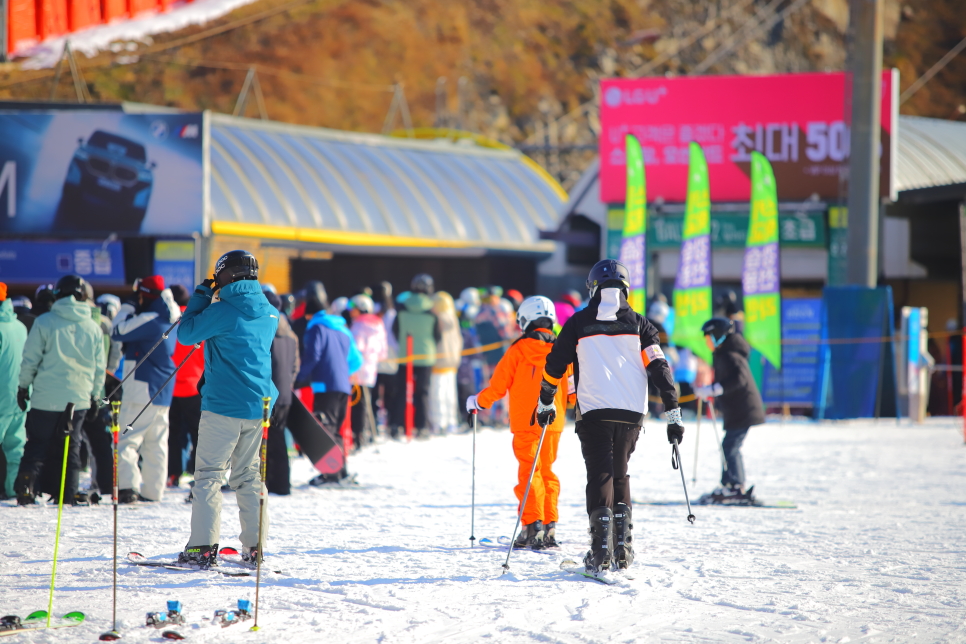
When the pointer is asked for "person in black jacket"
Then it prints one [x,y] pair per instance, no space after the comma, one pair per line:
[614,351]
[285,364]
[740,403]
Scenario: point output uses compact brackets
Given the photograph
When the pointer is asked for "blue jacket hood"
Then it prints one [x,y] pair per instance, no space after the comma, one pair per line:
[247,297]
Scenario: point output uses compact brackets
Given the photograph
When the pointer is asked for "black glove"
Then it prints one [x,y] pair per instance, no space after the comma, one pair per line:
[544,415]
[675,426]
[23,395]
[95,407]
[209,283]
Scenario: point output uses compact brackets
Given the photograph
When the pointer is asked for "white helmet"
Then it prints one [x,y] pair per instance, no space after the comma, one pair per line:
[534,308]
[470,296]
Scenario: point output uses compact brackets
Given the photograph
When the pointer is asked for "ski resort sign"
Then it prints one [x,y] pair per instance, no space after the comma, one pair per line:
[799,122]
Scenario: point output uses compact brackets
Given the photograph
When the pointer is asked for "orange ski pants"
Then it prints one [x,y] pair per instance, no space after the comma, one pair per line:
[542,501]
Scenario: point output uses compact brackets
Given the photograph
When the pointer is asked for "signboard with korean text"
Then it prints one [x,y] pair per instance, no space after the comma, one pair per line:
[730,230]
[795,383]
[40,262]
[798,121]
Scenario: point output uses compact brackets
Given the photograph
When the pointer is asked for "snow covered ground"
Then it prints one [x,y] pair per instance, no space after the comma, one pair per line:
[875,552]
[124,35]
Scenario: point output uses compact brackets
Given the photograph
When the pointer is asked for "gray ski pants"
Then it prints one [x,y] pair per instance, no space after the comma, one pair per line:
[223,440]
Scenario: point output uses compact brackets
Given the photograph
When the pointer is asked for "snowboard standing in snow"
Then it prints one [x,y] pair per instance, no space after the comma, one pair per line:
[613,350]
[315,440]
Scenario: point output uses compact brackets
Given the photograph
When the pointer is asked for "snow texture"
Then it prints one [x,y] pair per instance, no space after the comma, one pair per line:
[875,551]
[124,35]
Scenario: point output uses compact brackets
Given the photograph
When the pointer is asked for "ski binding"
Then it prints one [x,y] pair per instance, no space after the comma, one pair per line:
[228,617]
[172,617]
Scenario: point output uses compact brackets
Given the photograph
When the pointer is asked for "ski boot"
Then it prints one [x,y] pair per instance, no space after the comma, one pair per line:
[228,617]
[250,555]
[599,556]
[550,535]
[728,495]
[127,495]
[10,623]
[81,498]
[172,617]
[202,556]
[623,549]
[24,488]
[531,536]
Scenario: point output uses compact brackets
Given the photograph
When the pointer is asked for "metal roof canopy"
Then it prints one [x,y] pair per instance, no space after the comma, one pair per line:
[931,166]
[303,185]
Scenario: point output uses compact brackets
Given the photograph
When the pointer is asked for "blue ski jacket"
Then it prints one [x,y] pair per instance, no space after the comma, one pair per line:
[330,354]
[238,332]
[139,332]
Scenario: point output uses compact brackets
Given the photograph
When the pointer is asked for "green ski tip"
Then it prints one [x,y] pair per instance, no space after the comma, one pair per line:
[36,616]
[75,616]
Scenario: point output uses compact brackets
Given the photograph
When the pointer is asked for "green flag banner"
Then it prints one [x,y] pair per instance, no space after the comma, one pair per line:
[633,241]
[692,288]
[760,276]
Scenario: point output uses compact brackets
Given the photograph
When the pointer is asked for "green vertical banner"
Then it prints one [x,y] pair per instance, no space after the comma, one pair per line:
[761,274]
[692,288]
[633,241]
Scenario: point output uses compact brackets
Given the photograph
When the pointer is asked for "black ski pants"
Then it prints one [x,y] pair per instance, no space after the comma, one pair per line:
[98,433]
[183,418]
[362,433]
[734,476]
[421,381]
[44,452]
[387,390]
[278,476]
[607,446]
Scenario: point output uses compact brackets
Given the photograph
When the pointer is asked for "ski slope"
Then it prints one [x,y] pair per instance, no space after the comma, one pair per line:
[875,552]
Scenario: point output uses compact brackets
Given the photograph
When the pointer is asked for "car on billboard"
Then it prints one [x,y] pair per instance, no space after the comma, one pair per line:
[108,184]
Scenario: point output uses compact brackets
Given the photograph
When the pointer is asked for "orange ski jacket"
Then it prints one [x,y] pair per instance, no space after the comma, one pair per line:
[520,372]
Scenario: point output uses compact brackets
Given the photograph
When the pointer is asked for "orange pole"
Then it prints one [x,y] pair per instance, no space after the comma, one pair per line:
[410,386]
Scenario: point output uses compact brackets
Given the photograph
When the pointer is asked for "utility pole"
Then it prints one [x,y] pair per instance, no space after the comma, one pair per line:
[863,223]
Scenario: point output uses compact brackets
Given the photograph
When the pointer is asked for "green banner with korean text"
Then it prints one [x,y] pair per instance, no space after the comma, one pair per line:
[633,253]
[761,273]
[692,288]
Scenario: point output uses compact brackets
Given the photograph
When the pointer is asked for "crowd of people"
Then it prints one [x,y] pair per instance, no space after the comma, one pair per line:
[378,363]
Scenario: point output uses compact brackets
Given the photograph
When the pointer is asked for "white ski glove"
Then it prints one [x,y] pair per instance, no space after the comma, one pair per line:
[708,391]
[472,405]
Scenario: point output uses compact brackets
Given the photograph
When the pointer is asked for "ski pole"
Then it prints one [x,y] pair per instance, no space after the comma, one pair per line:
[678,465]
[473,487]
[130,425]
[67,418]
[263,474]
[115,431]
[697,441]
[717,437]
[164,336]
[526,494]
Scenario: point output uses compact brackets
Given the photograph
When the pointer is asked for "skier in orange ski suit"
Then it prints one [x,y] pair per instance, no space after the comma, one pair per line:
[520,372]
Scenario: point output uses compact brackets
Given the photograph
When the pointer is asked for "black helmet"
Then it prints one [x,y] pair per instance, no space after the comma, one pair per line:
[607,270]
[422,283]
[316,299]
[718,329]
[236,265]
[727,302]
[71,285]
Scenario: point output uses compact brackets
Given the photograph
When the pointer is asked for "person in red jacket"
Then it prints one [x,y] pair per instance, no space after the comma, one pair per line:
[185,412]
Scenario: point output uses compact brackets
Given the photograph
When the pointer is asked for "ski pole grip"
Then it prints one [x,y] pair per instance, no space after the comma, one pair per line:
[266,401]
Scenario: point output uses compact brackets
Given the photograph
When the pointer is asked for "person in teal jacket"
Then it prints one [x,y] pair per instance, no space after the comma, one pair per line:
[238,331]
[13,436]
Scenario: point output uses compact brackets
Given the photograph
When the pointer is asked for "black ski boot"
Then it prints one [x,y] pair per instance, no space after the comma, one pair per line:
[531,536]
[550,535]
[24,488]
[623,548]
[601,541]
[127,496]
[250,555]
[202,556]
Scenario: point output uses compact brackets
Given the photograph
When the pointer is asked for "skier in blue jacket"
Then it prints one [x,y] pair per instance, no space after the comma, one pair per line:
[238,330]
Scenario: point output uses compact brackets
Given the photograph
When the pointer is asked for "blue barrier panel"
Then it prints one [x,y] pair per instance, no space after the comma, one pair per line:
[857,377]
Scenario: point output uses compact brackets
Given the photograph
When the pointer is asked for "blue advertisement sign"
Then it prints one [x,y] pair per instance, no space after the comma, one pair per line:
[801,333]
[46,262]
[78,172]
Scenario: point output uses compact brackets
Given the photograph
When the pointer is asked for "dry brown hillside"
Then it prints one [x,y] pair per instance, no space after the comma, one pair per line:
[332,62]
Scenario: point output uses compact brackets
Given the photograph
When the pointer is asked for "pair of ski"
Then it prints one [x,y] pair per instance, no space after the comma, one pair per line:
[175,617]
[227,555]
[567,565]
[14,625]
